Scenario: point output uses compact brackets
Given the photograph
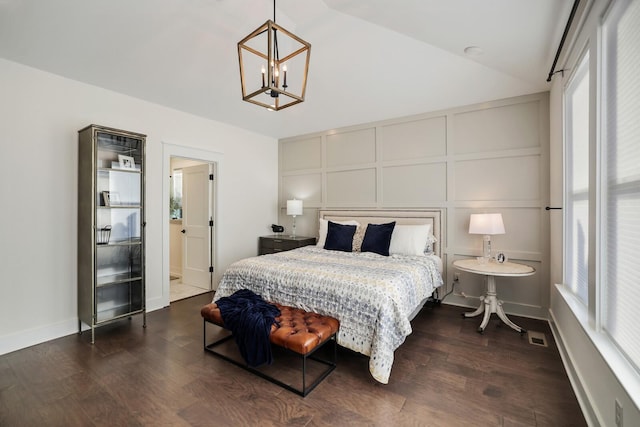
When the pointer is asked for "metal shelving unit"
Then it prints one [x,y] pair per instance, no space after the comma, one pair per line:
[111,276]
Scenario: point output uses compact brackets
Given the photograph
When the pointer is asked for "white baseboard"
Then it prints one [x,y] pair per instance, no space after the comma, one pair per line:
[514,309]
[27,338]
[574,377]
[158,303]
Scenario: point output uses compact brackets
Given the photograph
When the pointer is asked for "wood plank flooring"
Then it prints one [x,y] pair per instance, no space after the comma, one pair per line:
[445,374]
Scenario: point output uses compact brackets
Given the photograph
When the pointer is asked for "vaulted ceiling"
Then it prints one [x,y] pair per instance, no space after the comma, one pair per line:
[370,59]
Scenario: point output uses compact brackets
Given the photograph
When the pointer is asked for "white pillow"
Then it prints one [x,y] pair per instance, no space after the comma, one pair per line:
[324,225]
[410,239]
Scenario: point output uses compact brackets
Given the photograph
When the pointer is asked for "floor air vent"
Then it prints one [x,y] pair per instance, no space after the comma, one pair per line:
[537,338]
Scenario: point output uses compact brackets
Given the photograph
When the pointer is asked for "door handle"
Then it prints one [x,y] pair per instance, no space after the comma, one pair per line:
[183,231]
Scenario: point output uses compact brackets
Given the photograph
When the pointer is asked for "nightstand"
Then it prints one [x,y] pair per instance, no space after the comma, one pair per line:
[490,303]
[279,243]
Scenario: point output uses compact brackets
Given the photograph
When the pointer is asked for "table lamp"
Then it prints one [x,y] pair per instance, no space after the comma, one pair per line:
[294,208]
[486,224]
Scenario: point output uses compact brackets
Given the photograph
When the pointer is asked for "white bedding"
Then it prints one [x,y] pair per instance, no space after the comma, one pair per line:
[437,260]
[373,296]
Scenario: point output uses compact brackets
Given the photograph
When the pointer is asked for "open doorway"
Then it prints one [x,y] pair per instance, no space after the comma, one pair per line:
[191,227]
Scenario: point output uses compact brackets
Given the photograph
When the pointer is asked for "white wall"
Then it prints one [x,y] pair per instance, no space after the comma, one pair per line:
[40,114]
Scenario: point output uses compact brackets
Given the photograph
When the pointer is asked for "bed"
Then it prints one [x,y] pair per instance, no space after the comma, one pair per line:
[373,296]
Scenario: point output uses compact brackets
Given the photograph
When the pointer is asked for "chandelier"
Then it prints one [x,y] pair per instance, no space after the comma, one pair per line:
[275,77]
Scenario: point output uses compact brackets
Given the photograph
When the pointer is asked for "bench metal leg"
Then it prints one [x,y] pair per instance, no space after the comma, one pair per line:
[331,364]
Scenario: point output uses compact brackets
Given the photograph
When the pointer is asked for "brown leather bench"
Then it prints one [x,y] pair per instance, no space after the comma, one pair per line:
[295,330]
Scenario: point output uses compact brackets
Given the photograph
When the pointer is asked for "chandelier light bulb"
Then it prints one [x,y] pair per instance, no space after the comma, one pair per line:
[284,83]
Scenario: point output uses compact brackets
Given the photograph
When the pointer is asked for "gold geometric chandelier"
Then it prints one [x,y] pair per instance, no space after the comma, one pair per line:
[275,77]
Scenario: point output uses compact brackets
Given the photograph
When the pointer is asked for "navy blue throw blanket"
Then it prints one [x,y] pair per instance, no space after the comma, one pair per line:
[249,318]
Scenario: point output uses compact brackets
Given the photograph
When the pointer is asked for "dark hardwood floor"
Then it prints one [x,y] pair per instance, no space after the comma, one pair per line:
[445,374]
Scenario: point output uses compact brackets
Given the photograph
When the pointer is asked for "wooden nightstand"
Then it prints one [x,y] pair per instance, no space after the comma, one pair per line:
[276,243]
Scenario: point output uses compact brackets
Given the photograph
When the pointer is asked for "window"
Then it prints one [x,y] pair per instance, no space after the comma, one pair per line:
[620,178]
[576,101]
[175,195]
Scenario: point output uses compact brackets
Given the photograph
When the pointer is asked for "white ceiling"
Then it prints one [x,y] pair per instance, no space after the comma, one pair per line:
[370,59]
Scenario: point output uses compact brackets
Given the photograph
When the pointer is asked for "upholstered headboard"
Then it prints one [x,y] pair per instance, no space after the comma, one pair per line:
[435,217]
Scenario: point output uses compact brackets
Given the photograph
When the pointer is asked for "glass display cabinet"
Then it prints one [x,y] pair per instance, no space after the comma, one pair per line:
[111,274]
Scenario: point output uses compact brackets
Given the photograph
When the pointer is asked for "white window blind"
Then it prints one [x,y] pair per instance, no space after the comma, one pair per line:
[577,181]
[621,178]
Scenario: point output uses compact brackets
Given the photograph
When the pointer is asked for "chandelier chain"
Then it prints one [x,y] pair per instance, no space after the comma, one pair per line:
[276,53]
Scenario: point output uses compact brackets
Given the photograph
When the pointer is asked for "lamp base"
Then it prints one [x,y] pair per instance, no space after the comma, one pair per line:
[486,247]
[293,229]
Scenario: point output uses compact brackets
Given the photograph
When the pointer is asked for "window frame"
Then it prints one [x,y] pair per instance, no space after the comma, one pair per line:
[614,13]
[583,66]
[590,317]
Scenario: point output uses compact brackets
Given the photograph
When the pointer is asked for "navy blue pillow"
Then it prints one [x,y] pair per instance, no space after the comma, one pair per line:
[377,238]
[339,237]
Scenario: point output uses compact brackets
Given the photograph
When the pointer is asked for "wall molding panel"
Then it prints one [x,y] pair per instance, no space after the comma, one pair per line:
[489,157]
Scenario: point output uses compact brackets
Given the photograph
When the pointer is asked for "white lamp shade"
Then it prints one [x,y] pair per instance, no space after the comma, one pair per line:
[486,224]
[294,207]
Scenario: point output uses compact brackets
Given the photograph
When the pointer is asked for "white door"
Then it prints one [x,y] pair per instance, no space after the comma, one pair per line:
[196,214]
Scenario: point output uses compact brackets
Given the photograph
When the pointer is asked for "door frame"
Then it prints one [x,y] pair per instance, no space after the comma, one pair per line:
[172,150]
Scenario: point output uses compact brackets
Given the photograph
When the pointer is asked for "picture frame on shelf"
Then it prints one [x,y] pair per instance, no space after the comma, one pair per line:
[109,198]
[126,162]
[104,198]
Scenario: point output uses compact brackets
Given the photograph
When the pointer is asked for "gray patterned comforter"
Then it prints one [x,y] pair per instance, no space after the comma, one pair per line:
[371,295]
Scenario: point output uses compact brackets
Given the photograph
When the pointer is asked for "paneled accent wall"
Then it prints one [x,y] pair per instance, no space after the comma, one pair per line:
[490,157]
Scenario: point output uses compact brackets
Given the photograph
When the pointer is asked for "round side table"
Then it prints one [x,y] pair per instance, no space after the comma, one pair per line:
[490,302]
